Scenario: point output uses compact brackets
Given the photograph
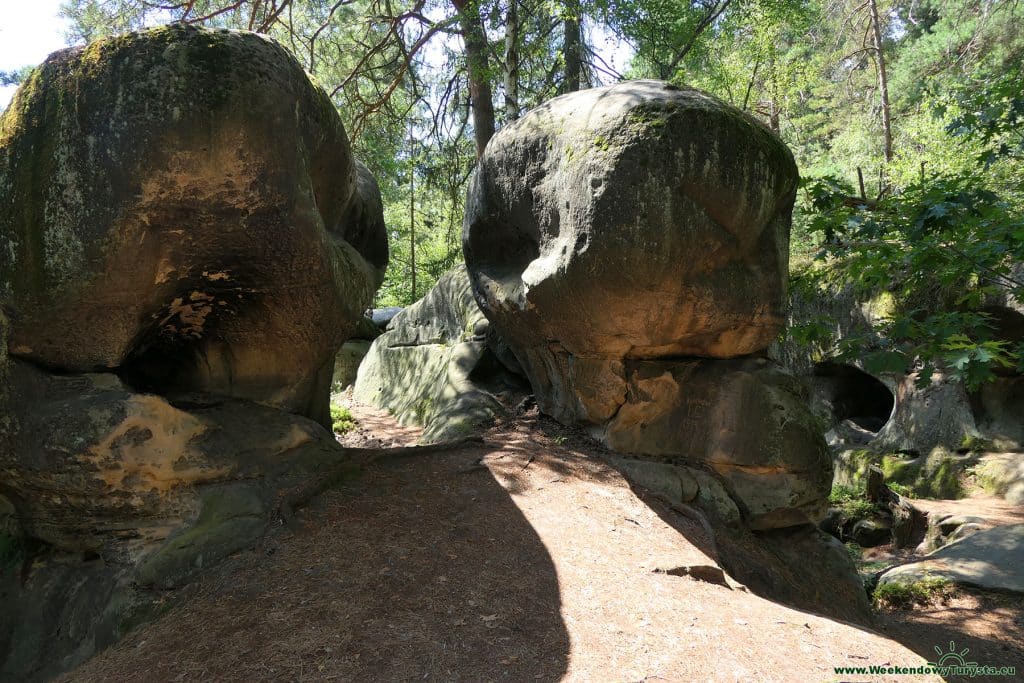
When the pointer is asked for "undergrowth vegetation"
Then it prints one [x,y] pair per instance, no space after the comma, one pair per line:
[342,420]
[906,595]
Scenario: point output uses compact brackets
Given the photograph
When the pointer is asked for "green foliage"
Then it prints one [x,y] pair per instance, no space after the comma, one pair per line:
[852,502]
[14,77]
[342,420]
[992,115]
[905,595]
[901,490]
[942,248]
[842,493]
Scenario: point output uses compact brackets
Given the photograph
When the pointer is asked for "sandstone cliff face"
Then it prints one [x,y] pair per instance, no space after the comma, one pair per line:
[185,242]
[616,227]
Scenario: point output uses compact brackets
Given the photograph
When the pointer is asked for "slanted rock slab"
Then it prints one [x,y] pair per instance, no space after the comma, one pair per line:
[433,367]
[990,560]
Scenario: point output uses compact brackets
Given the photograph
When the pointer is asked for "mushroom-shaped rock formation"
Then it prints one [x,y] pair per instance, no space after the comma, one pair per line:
[644,222]
[182,206]
[184,235]
[634,221]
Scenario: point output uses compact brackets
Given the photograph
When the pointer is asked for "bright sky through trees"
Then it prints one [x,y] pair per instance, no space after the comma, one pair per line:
[29,30]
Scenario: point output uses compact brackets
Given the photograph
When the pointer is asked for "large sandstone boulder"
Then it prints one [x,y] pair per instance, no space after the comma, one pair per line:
[625,243]
[182,205]
[109,495]
[92,467]
[634,221]
[433,367]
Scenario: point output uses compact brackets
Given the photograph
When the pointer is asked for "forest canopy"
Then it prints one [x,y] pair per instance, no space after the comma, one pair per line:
[904,117]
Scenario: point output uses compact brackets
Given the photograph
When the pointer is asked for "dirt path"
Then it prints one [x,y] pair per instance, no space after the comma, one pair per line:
[994,510]
[375,428]
[519,559]
[990,626]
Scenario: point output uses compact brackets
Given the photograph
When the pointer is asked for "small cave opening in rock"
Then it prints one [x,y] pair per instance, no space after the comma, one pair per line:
[172,357]
[163,364]
[853,395]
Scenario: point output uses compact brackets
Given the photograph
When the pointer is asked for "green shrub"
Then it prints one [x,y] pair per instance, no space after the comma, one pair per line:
[907,594]
[841,493]
[900,489]
[342,420]
[852,503]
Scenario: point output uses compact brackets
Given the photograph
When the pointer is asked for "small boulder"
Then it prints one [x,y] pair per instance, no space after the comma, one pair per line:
[382,317]
[868,533]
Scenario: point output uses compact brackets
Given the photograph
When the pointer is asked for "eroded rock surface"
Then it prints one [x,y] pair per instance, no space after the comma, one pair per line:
[991,560]
[634,221]
[624,242]
[182,205]
[745,419]
[185,241]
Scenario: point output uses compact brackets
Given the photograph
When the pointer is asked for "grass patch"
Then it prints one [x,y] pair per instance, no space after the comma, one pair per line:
[342,420]
[851,502]
[900,489]
[905,595]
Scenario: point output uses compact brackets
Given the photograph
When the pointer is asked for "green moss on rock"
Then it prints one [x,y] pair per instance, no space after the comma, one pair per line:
[936,475]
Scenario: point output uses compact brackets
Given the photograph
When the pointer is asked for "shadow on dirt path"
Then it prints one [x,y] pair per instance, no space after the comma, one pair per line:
[413,571]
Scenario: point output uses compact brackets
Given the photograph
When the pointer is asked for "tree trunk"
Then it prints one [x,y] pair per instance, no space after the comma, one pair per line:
[412,215]
[773,85]
[480,98]
[572,47]
[512,61]
[883,81]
